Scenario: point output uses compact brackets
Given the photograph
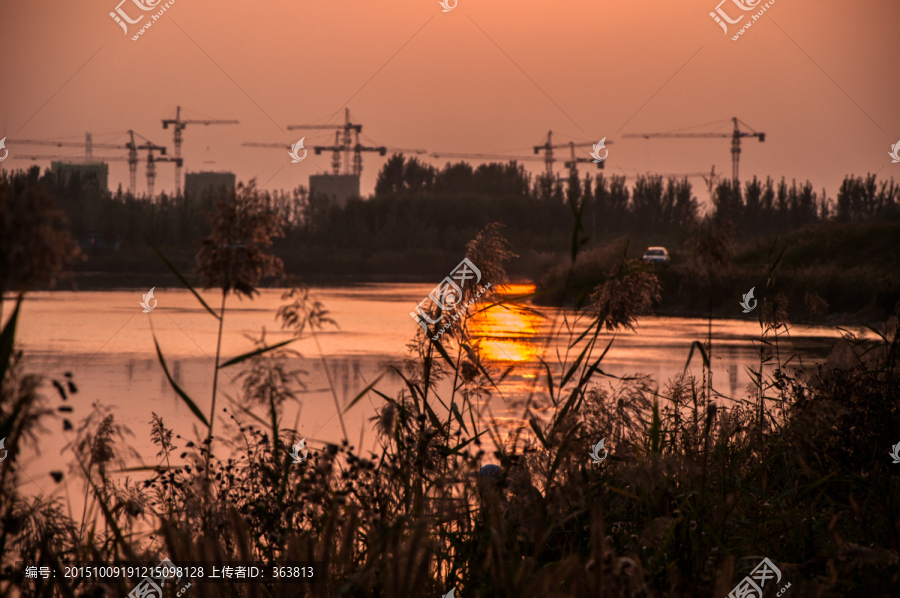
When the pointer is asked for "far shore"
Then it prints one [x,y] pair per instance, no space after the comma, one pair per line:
[115,282]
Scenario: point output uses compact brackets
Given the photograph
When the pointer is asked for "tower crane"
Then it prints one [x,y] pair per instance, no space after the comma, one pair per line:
[735,136]
[337,148]
[346,146]
[573,162]
[151,163]
[681,175]
[402,150]
[88,145]
[67,157]
[346,143]
[179,125]
[131,146]
[493,157]
[357,148]
[151,169]
[151,166]
[549,146]
[336,153]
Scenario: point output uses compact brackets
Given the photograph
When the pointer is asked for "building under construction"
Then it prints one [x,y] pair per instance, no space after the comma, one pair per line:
[98,165]
[85,169]
[339,187]
[198,183]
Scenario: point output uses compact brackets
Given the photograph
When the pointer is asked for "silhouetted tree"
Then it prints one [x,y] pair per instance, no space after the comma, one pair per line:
[35,246]
[573,189]
[685,207]
[390,178]
[418,177]
[647,209]
[859,199]
[502,180]
[728,203]
[455,178]
[611,198]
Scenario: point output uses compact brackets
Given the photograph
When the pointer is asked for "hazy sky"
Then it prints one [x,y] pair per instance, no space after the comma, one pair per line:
[821,79]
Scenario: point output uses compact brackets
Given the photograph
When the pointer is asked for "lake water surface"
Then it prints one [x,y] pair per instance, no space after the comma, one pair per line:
[106,341]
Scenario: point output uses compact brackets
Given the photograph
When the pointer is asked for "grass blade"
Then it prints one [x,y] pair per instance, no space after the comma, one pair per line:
[549,379]
[183,280]
[699,346]
[7,338]
[537,432]
[190,403]
[443,352]
[655,427]
[246,356]
[575,365]
[455,450]
[364,390]
[458,416]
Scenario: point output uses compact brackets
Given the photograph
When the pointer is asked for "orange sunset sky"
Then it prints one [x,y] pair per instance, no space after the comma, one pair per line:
[821,79]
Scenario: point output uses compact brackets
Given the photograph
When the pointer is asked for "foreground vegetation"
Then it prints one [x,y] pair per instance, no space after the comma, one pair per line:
[697,488]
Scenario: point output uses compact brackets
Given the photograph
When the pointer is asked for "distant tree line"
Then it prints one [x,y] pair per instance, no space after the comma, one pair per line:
[650,203]
[777,208]
[421,215]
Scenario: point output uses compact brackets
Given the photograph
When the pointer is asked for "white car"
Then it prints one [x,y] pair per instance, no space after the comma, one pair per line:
[656,255]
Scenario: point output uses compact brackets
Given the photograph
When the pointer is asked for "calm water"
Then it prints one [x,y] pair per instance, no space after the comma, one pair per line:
[107,342]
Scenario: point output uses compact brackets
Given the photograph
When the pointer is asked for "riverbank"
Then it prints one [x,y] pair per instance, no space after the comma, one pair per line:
[854,268]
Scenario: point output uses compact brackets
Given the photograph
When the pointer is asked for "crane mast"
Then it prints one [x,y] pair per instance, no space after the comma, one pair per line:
[89,146]
[549,159]
[179,125]
[344,143]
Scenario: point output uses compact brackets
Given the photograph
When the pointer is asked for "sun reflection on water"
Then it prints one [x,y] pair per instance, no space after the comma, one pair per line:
[507,332]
